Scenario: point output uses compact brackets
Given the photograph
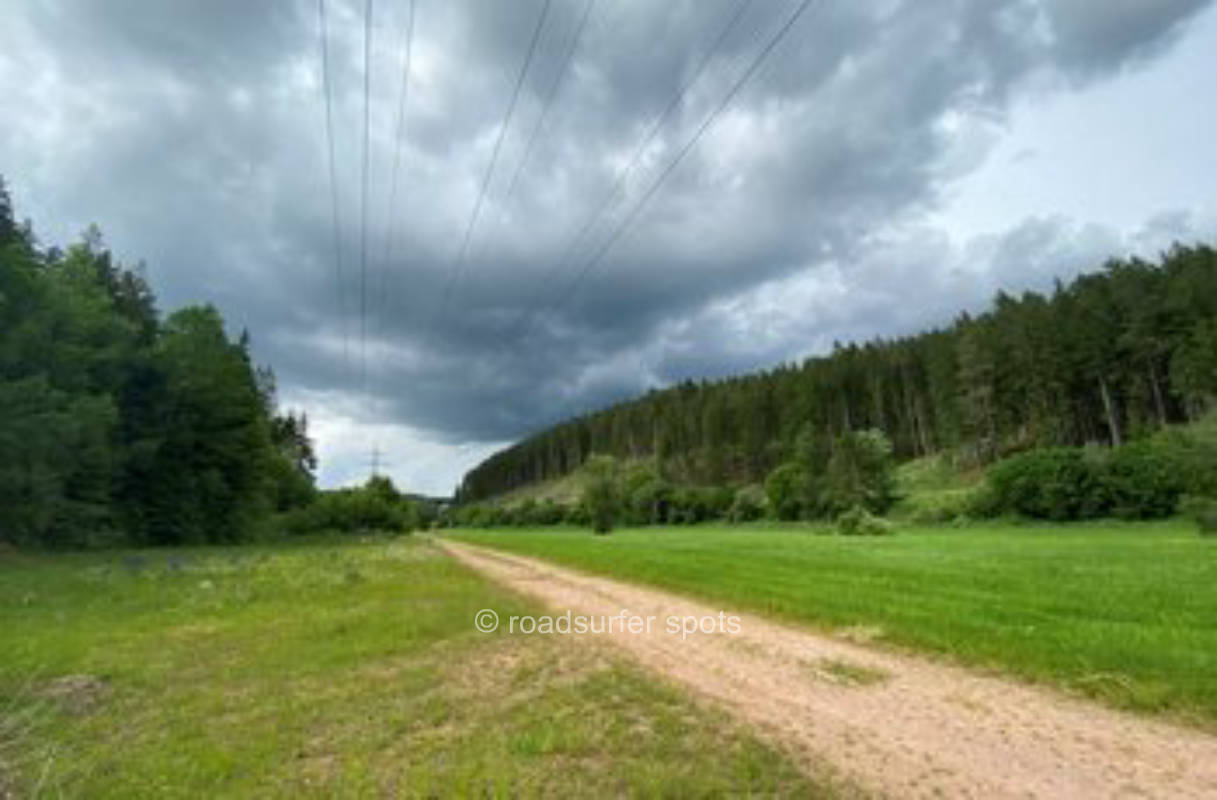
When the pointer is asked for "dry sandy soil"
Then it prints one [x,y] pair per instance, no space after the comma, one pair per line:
[892,724]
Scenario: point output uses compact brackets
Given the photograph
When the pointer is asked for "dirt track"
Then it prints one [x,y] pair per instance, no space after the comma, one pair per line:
[897,725]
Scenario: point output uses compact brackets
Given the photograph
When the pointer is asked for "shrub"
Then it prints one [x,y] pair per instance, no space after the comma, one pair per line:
[485,516]
[376,506]
[1142,482]
[477,516]
[649,501]
[1193,454]
[577,514]
[785,489]
[550,512]
[857,521]
[716,501]
[687,506]
[525,513]
[600,493]
[983,503]
[1055,483]
[748,505]
[1204,511]
[860,472]
[932,508]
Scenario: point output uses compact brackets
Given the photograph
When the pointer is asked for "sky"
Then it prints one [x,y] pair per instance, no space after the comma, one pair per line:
[668,196]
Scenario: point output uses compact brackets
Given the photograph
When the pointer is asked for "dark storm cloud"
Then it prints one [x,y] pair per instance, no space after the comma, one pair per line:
[193,133]
[1103,36]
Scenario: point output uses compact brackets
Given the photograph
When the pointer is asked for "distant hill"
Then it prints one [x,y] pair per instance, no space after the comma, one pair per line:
[1129,348]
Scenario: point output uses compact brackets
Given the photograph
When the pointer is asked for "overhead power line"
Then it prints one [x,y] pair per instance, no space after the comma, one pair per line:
[625,223]
[549,100]
[363,204]
[619,183]
[391,214]
[329,138]
[458,270]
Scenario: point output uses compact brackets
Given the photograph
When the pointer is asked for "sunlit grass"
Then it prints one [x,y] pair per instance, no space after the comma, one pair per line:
[1122,612]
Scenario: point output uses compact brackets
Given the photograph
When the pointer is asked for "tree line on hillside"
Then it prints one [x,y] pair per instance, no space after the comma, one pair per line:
[857,482]
[118,427]
[1109,358]
[1153,477]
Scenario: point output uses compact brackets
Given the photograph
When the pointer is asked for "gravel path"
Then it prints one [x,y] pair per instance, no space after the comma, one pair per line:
[897,725]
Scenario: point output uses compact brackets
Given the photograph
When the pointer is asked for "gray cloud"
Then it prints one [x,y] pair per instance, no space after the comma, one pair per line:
[192,132]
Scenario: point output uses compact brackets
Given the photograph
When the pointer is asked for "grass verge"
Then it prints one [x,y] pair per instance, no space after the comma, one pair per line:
[330,668]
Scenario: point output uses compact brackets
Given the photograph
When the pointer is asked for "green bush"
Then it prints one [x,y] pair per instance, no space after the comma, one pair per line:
[687,506]
[477,516]
[1054,483]
[550,512]
[748,505]
[716,501]
[785,490]
[861,472]
[932,508]
[656,502]
[524,513]
[374,507]
[578,514]
[600,494]
[1142,481]
[648,502]
[1203,510]
[857,521]
[983,503]
[1193,454]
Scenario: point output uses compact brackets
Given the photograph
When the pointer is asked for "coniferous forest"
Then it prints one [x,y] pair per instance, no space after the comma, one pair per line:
[1113,355]
[120,427]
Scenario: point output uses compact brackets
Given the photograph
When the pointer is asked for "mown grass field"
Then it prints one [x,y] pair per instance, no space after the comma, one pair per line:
[1123,612]
[329,669]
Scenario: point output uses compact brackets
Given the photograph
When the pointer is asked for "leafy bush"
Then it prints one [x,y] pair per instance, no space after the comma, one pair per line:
[657,502]
[748,505]
[785,489]
[1142,481]
[687,506]
[375,506]
[857,521]
[549,512]
[1055,483]
[648,502]
[524,513]
[983,503]
[716,501]
[578,514]
[476,516]
[1193,454]
[600,495]
[1204,511]
[529,512]
[861,473]
[932,508]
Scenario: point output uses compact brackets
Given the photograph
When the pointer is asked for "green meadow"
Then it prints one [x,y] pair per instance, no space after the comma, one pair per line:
[1122,612]
[329,668]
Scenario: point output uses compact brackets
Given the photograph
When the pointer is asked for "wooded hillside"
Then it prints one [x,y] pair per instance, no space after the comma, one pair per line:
[1123,350]
[118,427]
